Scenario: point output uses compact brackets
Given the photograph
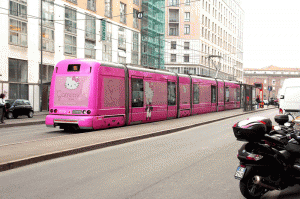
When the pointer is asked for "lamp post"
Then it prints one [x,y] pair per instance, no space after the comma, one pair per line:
[41,68]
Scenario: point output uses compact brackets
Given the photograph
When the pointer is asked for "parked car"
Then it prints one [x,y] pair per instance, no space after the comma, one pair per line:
[17,107]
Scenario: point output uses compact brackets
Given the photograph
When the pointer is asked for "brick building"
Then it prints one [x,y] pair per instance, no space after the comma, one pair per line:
[272,76]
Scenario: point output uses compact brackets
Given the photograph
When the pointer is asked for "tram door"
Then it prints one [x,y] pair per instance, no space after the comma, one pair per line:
[138,108]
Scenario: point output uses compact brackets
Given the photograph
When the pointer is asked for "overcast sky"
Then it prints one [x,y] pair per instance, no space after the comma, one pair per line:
[271,33]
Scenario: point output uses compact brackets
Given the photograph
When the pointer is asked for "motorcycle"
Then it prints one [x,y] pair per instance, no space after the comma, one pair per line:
[264,167]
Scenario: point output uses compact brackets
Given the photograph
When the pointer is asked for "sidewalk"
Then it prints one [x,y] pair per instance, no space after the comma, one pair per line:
[38,118]
[21,154]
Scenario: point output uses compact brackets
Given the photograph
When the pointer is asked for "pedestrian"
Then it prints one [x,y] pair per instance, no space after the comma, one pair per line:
[258,101]
[2,108]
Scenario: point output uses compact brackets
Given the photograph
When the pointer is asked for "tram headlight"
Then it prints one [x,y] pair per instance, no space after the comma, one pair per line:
[51,110]
[89,112]
[84,111]
[55,110]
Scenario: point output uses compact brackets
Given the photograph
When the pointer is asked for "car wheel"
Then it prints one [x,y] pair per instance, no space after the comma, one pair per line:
[30,114]
[9,115]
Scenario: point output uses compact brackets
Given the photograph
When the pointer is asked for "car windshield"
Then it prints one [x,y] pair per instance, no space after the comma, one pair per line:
[9,101]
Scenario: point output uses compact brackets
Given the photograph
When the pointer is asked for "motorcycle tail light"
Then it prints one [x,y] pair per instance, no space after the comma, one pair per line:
[235,125]
[243,166]
[280,111]
[254,157]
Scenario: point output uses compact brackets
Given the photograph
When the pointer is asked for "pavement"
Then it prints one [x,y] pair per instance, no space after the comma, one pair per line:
[38,118]
[25,153]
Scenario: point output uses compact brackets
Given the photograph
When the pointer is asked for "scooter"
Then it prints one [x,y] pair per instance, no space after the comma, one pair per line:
[262,167]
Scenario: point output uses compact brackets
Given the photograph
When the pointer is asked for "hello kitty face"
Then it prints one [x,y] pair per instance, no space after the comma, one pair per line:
[71,83]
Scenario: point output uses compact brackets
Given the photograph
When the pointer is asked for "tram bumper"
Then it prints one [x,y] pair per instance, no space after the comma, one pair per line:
[83,122]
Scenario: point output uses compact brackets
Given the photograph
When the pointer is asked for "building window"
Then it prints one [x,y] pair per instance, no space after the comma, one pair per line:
[187,16]
[90,28]
[18,23]
[70,44]
[18,9]
[173,44]
[90,51]
[273,82]
[173,3]
[107,44]
[108,9]
[186,45]
[135,48]
[107,52]
[47,72]
[70,31]
[187,2]
[48,13]
[18,70]
[48,39]
[122,12]
[186,29]
[48,26]
[173,57]
[173,31]
[122,39]
[136,2]
[73,1]
[135,19]
[90,37]
[186,57]
[91,5]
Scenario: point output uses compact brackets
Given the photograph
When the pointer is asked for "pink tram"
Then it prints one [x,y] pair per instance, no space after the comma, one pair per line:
[86,94]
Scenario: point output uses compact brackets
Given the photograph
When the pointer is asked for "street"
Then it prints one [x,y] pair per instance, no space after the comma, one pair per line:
[195,163]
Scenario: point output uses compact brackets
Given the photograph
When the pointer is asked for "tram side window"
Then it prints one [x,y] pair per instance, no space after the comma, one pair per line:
[171,93]
[213,94]
[238,94]
[227,94]
[196,93]
[137,92]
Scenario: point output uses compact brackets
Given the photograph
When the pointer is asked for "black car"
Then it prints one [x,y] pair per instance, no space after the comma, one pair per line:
[16,107]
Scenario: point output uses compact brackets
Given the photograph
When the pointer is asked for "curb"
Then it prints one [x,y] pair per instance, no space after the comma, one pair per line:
[35,159]
[21,124]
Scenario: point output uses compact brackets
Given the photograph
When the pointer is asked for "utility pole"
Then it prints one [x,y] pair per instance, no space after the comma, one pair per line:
[41,68]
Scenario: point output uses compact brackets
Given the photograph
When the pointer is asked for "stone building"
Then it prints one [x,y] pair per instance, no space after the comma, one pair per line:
[271,76]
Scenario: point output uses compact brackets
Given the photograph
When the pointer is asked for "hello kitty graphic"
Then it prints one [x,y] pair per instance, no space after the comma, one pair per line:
[71,83]
[149,96]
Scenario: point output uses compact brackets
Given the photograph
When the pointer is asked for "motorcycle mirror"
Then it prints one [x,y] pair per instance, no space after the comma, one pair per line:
[276,128]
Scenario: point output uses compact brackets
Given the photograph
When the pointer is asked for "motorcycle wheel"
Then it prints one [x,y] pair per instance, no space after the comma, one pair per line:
[249,189]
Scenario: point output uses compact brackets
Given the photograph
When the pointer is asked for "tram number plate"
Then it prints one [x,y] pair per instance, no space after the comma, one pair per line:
[240,171]
[76,112]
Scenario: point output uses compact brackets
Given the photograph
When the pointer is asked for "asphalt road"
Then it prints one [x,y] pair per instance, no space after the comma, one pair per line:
[195,163]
